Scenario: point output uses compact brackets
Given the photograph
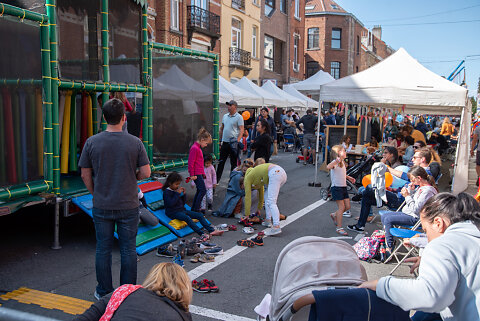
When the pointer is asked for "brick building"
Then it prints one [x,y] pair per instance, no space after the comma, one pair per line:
[191,24]
[337,42]
[282,32]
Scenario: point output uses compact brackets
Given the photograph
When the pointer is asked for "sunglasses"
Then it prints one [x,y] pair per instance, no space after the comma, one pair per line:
[415,147]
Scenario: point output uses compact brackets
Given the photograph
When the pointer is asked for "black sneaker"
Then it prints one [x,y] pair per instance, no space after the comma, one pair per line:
[355,228]
[357,198]
[210,207]
[166,251]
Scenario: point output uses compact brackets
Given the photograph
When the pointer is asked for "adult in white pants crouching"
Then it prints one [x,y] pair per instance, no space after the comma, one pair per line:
[272,177]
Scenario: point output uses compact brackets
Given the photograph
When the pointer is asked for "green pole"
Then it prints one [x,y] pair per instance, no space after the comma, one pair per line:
[72,153]
[106,71]
[216,149]
[146,82]
[93,95]
[170,164]
[47,104]
[95,86]
[51,5]
[6,9]
[16,132]
[150,108]
[23,190]
[3,169]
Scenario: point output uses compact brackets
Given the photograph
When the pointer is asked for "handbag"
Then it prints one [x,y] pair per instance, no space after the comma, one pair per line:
[117,298]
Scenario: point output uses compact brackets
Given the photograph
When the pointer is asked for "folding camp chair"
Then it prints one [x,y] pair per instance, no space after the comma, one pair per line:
[401,234]
[288,141]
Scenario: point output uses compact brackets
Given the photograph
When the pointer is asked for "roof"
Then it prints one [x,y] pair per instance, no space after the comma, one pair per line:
[323,6]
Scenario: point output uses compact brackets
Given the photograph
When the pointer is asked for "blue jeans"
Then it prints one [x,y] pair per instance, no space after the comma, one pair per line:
[201,191]
[424,316]
[368,199]
[395,218]
[187,217]
[127,224]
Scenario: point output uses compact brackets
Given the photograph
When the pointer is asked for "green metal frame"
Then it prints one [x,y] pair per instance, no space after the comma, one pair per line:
[51,85]
[46,185]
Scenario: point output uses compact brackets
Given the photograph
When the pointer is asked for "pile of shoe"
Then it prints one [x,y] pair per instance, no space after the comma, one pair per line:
[204,286]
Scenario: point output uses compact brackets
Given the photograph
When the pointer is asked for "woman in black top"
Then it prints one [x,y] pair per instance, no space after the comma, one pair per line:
[262,141]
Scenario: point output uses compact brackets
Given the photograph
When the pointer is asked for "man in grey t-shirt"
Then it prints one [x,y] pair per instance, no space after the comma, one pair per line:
[109,163]
[231,132]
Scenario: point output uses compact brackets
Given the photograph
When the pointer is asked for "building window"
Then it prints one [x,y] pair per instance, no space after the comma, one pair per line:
[297,9]
[269,44]
[283,6]
[296,40]
[254,42]
[269,7]
[312,38]
[358,45]
[336,38]
[312,68]
[356,69]
[236,33]
[335,69]
[255,2]
[174,14]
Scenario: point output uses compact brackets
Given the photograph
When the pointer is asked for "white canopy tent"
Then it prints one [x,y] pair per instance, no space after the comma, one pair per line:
[291,100]
[312,85]
[228,91]
[400,80]
[269,99]
[294,92]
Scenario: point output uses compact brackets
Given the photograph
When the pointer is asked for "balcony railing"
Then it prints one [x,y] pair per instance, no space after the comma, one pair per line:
[203,20]
[238,4]
[240,57]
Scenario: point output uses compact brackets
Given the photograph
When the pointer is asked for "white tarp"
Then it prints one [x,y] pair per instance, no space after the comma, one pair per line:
[312,85]
[228,91]
[292,91]
[292,100]
[269,99]
[400,80]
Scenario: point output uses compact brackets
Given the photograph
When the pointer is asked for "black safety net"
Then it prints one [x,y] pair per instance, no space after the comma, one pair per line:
[125,41]
[182,104]
[79,39]
[21,112]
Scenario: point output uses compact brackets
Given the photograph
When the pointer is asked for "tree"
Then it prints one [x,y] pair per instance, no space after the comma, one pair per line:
[474,105]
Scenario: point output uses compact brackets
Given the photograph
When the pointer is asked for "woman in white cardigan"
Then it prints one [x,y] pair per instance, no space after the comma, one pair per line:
[448,281]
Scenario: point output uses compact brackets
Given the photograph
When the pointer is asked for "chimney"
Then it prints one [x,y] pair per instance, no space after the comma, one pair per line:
[377,32]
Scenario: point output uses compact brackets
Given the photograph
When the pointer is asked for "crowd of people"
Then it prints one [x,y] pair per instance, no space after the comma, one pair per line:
[446,288]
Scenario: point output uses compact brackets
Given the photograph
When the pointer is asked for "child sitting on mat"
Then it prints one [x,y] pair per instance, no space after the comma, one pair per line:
[174,199]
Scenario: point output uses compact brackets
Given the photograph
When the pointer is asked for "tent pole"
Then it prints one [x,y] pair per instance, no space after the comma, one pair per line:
[366,128]
[320,105]
[345,119]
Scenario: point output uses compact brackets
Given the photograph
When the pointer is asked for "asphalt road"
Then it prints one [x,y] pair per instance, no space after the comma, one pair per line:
[26,259]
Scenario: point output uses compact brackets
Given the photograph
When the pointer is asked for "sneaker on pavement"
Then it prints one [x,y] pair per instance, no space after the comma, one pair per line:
[211,285]
[97,296]
[206,245]
[258,240]
[232,227]
[267,223]
[246,243]
[195,258]
[166,251]
[238,215]
[206,258]
[347,214]
[178,260]
[204,238]
[214,251]
[273,231]
[181,249]
[200,287]
[355,228]
[194,249]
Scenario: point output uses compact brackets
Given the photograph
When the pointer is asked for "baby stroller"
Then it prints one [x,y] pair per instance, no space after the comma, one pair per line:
[314,263]
[357,171]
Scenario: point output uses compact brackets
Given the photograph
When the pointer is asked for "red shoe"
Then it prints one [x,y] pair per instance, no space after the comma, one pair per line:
[232,227]
[211,285]
[245,222]
[200,287]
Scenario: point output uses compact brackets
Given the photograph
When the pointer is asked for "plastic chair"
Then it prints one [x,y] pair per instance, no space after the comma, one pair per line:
[401,234]
[288,141]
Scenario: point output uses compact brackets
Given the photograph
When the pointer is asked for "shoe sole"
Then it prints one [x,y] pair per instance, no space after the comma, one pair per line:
[273,233]
[355,230]
[217,253]
[164,255]
[201,291]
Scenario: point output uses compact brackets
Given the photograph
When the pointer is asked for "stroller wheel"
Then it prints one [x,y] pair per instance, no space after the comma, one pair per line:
[324,194]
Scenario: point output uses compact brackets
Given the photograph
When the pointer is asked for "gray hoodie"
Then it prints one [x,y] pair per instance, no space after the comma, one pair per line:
[415,202]
[448,281]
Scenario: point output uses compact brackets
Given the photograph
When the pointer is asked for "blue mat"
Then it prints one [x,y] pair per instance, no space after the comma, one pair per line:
[85,203]
[157,195]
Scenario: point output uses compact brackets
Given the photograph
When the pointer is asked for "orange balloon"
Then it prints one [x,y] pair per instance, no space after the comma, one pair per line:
[388,179]
[366,180]
[246,115]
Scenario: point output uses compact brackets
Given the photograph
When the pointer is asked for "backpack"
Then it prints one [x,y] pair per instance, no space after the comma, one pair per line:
[372,247]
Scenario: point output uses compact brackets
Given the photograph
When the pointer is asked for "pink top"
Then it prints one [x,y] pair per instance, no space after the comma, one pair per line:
[195,160]
[211,176]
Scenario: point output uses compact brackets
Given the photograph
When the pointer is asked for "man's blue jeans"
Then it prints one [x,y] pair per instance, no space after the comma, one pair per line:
[424,316]
[395,218]
[368,199]
[127,224]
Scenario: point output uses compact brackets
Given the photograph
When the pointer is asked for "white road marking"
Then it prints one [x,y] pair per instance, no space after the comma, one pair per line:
[219,259]
[217,315]
[341,237]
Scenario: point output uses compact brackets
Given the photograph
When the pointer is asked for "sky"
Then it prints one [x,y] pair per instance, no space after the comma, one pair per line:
[434,32]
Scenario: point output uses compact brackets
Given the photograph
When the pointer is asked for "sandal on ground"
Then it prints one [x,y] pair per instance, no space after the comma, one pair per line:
[334,219]
[195,258]
[341,231]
